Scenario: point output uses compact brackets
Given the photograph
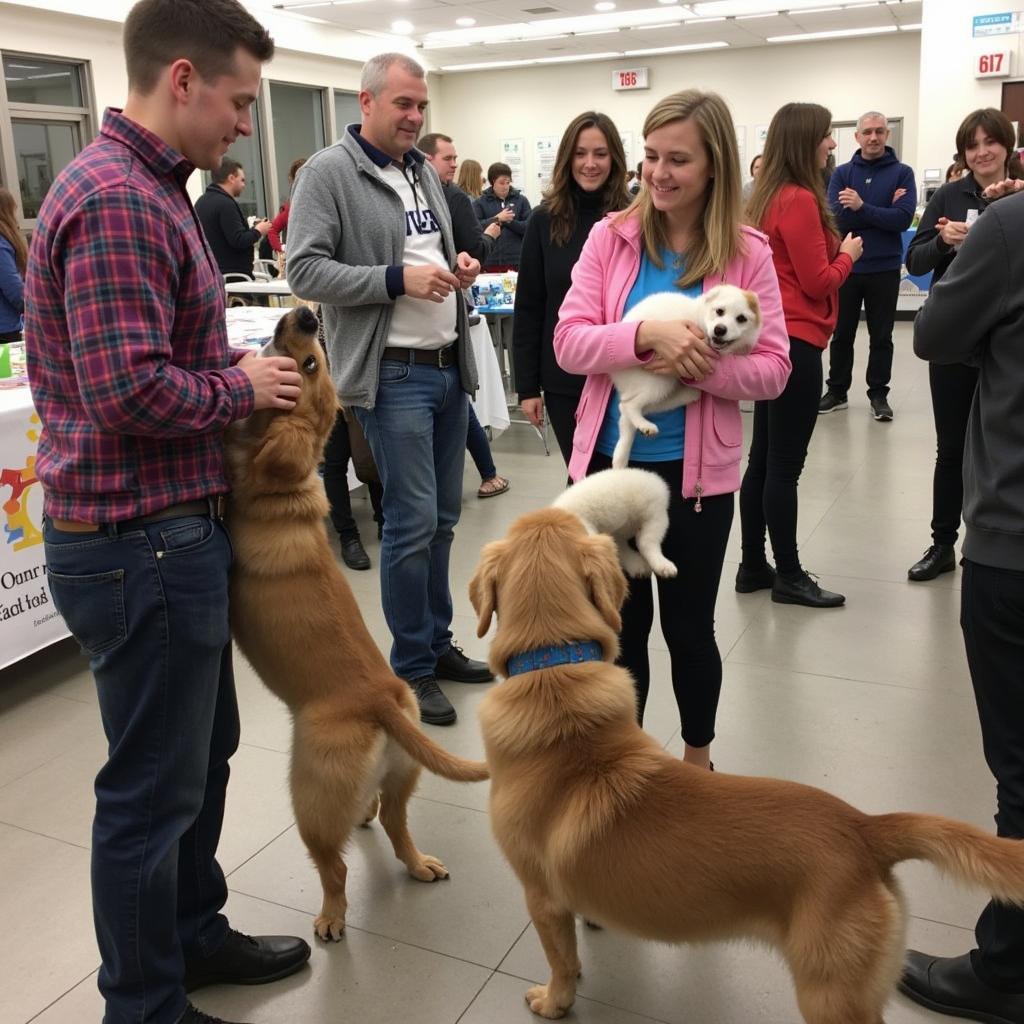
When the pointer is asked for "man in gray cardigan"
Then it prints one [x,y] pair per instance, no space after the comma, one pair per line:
[975,315]
[370,238]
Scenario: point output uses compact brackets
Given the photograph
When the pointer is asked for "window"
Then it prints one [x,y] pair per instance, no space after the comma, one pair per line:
[249,153]
[346,112]
[45,120]
[298,116]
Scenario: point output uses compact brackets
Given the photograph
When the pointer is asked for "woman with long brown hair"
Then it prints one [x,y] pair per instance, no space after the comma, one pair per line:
[788,204]
[13,257]
[985,147]
[588,182]
[471,178]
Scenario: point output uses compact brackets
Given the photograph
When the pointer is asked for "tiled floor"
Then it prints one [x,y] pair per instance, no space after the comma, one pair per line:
[871,701]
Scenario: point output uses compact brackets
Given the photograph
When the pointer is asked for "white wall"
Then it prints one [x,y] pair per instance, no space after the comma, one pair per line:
[478,109]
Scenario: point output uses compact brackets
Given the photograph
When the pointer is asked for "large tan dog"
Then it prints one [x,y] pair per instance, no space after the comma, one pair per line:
[356,731]
[596,819]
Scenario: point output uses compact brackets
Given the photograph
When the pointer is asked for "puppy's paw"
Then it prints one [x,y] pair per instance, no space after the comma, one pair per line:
[543,1004]
[666,569]
[371,813]
[650,430]
[330,929]
[633,563]
[428,869]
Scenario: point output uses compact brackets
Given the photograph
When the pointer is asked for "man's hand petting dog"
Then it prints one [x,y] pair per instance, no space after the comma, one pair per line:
[275,380]
[680,349]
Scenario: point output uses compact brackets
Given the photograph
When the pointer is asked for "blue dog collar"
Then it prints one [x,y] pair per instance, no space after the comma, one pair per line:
[549,657]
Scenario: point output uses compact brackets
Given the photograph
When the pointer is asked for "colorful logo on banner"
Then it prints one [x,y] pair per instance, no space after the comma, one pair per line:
[19,529]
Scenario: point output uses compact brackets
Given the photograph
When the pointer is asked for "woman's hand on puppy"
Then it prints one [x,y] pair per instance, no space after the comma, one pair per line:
[275,380]
[679,348]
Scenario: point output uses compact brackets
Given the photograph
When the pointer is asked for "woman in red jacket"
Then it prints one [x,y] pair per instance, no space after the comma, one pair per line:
[788,204]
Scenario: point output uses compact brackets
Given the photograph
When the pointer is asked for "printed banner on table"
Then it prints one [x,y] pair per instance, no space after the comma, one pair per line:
[28,619]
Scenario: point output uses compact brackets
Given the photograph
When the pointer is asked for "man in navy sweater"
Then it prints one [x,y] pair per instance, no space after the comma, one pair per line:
[874,196]
[230,237]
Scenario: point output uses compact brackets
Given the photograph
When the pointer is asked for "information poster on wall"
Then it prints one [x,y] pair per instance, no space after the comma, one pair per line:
[545,149]
[512,154]
[760,134]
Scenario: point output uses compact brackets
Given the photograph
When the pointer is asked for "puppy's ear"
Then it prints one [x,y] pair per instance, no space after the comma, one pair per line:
[755,305]
[483,587]
[287,453]
[604,577]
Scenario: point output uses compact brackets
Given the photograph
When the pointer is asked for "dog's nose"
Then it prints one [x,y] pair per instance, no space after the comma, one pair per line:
[305,319]
[720,330]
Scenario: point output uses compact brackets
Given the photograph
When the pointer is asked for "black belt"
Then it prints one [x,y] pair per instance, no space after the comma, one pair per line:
[215,506]
[439,357]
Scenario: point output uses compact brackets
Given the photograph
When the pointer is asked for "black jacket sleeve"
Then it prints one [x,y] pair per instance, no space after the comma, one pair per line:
[232,225]
[531,302]
[928,250]
[518,224]
[466,229]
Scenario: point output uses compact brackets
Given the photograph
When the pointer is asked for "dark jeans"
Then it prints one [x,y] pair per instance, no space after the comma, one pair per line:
[953,390]
[479,447]
[992,619]
[149,605]
[337,453]
[696,542]
[778,448]
[561,413]
[878,293]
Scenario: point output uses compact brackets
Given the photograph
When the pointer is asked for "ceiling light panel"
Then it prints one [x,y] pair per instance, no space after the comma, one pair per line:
[844,33]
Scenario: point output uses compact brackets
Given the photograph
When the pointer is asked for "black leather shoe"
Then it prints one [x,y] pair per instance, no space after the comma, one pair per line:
[354,555]
[454,665]
[245,960]
[194,1016]
[949,985]
[939,558]
[435,707]
[804,590]
[751,578]
[881,410]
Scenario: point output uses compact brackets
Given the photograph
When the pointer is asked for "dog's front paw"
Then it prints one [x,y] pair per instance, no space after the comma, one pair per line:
[428,869]
[330,929]
[633,563]
[650,430]
[543,1004]
[665,569]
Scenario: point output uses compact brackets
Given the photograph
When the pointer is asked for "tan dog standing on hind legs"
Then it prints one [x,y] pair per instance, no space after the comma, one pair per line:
[597,819]
[356,724]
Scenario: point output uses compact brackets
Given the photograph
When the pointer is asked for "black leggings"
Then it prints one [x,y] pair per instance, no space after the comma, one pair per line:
[782,432]
[337,452]
[953,390]
[696,542]
[561,410]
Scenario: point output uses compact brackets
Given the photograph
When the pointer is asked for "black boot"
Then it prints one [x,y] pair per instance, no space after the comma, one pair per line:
[804,590]
[247,960]
[949,985]
[939,558]
[752,578]
[353,554]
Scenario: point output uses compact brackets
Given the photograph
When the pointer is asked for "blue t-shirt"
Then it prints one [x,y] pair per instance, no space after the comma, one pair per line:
[667,446]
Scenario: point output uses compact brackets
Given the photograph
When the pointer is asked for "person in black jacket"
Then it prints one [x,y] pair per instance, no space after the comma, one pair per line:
[985,146]
[588,181]
[230,238]
[507,207]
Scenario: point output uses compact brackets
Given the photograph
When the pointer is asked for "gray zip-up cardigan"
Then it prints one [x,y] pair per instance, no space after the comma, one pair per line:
[345,229]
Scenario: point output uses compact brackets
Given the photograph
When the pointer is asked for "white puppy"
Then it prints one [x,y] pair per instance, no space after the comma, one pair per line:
[731,319]
[626,504]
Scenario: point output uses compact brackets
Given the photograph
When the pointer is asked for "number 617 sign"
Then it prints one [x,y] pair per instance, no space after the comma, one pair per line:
[992,65]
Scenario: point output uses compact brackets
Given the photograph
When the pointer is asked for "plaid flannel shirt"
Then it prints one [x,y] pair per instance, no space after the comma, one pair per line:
[125,335]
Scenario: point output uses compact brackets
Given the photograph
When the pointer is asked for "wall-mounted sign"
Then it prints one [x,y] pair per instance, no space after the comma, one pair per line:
[630,78]
[991,64]
[1007,23]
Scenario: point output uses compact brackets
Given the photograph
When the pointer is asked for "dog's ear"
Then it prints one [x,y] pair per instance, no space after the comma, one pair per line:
[755,304]
[287,452]
[483,587]
[604,577]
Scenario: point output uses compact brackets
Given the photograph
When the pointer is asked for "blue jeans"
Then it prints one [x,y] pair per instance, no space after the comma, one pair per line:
[417,433]
[149,605]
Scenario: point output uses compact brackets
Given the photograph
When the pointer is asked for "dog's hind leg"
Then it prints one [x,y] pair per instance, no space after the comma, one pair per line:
[620,454]
[556,927]
[648,543]
[632,562]
[395,791]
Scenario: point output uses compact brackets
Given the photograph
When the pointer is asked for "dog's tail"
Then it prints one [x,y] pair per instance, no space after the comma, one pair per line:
[422,749]
[967,853]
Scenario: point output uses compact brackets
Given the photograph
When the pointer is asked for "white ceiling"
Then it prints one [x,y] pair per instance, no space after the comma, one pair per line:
[515,31]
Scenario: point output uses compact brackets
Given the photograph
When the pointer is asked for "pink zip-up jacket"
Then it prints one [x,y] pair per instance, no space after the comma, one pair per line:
[590,338]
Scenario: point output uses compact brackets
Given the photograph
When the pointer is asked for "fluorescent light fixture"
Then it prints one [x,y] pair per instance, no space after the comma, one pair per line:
[664,24]
[524,39]
[599,32]
[445,46]
[755,17]
[604,5]
[915,27]
[465,22]
[676,49]
[667,2]
[744,8]
[576,57]
[486,65]
[318,3]
[490,65]
[837,34]
[704,21]
[821,10]
[401,27]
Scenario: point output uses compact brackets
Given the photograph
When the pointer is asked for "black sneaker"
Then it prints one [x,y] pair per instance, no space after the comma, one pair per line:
[354,555]
[881,410]
[247,960]
[751,578]
[804,590]
[937,559]
[454,665]
[435,707]
[194,1016]
[831,402]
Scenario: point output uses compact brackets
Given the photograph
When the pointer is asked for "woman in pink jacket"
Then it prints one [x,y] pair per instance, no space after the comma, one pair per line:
[682,231]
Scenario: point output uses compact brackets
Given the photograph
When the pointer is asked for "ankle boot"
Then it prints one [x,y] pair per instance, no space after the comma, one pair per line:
[939,558]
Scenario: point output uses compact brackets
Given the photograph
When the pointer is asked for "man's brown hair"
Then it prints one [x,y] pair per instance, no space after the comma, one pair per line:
[207,33]
[428,143]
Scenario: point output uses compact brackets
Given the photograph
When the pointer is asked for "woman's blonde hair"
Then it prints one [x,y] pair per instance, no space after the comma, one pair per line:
[717,239]
[470,178]
[791,158]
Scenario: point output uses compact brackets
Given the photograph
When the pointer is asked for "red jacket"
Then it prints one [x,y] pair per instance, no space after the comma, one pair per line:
[808,263]
[277,225]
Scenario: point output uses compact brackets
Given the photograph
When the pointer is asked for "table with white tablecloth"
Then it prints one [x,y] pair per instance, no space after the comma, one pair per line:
[490,405]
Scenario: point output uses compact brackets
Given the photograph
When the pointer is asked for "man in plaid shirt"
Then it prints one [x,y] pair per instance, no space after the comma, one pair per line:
[134,383]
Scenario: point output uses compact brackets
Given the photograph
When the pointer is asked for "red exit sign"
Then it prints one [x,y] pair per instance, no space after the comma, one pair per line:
[629,78]
[992,65]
